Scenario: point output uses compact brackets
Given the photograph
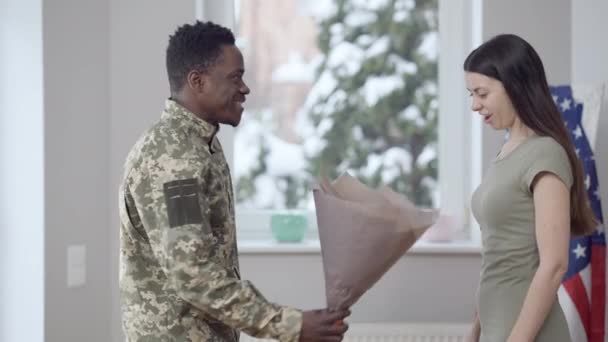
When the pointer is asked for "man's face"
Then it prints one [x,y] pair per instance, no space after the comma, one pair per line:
[225,90]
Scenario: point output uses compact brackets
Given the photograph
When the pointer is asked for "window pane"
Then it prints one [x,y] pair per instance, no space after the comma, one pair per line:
[339,85]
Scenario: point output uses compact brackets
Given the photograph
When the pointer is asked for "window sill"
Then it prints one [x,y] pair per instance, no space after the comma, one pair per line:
[257,247]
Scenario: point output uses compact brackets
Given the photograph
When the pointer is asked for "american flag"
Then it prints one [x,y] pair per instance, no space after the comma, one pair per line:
[583,291]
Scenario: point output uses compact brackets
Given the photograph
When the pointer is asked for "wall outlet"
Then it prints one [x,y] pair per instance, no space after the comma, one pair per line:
[77,266]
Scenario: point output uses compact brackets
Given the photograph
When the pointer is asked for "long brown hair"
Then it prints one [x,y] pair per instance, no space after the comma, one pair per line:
[512,61]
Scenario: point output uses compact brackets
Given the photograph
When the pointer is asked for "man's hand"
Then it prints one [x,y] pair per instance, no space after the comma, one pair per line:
[323,325]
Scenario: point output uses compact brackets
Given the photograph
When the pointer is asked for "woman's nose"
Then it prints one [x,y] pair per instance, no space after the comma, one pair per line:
[475,105]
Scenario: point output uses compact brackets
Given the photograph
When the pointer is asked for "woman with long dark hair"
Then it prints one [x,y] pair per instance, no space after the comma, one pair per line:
[531,199]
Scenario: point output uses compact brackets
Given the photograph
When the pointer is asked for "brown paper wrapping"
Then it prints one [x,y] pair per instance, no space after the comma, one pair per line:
[363,232]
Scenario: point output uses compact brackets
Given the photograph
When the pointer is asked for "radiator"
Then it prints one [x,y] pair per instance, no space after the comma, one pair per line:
[398,332]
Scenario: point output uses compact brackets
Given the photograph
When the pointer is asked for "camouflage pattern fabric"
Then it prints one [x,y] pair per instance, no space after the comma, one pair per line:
[179,273]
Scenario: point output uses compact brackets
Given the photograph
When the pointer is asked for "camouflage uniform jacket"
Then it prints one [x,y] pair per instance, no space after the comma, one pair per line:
[179,274]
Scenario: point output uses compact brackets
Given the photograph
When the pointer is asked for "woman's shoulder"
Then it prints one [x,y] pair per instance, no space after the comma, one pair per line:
[546,146]
[546,154]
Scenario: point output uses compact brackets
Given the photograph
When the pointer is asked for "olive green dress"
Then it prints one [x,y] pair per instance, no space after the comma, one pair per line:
[504,207]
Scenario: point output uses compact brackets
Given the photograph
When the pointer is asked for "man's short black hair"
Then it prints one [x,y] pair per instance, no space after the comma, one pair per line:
[194,47]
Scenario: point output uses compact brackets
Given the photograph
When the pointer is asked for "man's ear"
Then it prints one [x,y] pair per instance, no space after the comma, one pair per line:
[197,80]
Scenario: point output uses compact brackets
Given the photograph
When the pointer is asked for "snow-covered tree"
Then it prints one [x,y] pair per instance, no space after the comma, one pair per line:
[373,108]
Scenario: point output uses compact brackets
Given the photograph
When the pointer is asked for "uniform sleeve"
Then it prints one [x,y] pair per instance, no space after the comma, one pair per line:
[548,157]
[176,216]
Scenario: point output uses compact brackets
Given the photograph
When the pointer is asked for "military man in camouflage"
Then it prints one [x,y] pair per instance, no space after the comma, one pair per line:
[179,273]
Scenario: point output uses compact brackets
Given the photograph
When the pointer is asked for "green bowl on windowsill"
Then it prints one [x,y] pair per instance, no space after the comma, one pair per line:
[288,227]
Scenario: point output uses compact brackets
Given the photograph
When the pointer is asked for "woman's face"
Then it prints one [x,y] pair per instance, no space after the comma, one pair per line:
[490,100]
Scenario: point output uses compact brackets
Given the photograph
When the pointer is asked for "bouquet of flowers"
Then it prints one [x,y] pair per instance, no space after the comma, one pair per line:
[363,232]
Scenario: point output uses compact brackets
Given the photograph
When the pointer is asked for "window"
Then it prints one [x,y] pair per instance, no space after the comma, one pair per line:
[365,87]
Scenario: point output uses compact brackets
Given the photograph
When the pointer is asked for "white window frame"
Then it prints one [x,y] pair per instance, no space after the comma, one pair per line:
[459,135]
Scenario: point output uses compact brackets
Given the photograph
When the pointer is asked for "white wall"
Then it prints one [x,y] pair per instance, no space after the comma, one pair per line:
[76,168]
[21,172]
[590,66]
[429,288]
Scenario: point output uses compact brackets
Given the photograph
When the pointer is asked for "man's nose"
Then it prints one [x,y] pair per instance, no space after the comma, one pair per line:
[244,89]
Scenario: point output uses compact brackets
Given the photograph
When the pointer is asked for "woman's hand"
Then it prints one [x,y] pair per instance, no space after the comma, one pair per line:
[473,335]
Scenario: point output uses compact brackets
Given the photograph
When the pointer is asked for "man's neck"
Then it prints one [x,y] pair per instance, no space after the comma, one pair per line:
[191,105]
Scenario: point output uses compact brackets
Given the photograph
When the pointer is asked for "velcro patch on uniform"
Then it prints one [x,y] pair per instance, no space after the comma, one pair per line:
[183,205]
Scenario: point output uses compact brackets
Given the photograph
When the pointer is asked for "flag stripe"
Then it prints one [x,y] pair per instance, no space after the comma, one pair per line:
[576,290]
[598,293]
